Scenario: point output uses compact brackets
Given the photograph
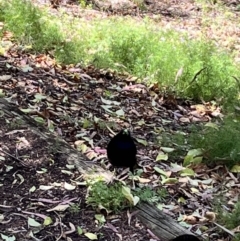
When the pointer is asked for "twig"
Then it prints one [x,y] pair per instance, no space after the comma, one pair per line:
[225,229]
[196,75]
[11,156]
[110,130]
[20,161]
[238,82]
[60,222]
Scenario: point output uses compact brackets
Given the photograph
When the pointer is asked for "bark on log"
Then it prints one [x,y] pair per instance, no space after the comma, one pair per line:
[159,223]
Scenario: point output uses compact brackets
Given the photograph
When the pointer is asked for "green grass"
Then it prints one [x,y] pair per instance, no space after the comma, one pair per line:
[109,197]
[230,220]
[147,194]
[219,141]
[112,198]
[221,144]
[139,48]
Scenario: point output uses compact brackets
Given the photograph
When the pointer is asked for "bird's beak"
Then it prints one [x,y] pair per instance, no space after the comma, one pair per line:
[126,132]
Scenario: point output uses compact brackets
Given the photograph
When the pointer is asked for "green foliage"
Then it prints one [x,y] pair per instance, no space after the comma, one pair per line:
[30,26]
[112,198]
[84,4]
[107,196]
[221,144]
[74,209]
[23,12]
[158,56]
[147,194]
[123,44]
[219,141]
[230,220]
[140,4]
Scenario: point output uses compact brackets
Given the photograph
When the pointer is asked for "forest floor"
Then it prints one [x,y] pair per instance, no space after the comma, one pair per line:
[75,103]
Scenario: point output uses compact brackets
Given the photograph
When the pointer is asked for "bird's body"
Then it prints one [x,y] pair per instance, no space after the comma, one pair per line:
[121,150]
[186,237]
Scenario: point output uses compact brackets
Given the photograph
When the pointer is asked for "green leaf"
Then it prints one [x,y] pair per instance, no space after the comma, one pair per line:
[83,148]
[107,107]
[195,152]
[187,172]
[160,171]
[162,157]
[65,99]
[43,170]
[101,219]
[50,126]
[39,97]
[197,160]
[9,168]
[187,160]
[59,208]
[47,221]
[194,190]
[70,166]
[2,158]
[120,112]
[20,177]
[39,119]
[169,181]
[235,169]
[212,125]
[190,158]
[127,193]
[182,200]
[33,223]
[45,188]
[160,206]
[32,189]
[26,110]
[91,236]
[106,102]
[109,102]
[69,187]
[2,94]
[167,149]
[79,230]
[143,142]
[2,114]
[7,238]
[67,172]
[136,199]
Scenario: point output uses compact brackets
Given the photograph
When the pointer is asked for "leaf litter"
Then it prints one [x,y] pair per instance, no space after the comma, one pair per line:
[85,106]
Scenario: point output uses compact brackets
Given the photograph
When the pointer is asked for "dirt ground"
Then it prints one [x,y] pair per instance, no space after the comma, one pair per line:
[68,100]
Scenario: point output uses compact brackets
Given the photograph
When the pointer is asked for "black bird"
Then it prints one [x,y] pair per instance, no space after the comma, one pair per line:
[186,237]
[121,150]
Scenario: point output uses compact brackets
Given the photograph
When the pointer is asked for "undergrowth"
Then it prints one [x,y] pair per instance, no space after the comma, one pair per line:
[220,142]
[111,198]
[230,220]
[139,48]
[147,194]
